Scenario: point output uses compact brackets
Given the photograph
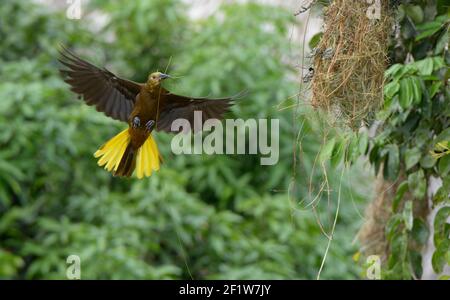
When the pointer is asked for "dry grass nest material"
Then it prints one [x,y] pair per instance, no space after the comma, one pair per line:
[351,60]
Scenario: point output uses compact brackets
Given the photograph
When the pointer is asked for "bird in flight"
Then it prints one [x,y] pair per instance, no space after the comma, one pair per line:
[144,106]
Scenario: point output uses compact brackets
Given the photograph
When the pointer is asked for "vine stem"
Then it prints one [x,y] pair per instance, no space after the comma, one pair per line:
[333,228]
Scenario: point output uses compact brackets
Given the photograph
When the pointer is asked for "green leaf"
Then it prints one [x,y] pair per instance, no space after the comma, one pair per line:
[438,62]
[417,184]
[416,87]
[439,258]
[429,25]
[415,12]
[441,225]
[391,89]
[443,192]
[399,247]
[314,41]
[415,259]
[424,66]
[327,150]
[441,43]
[393,70]
[392,225]
[420,231]
[434,88]
[338,153]
[406,96]
[412,157]
[428,29]
[408,215]
[427,33]
[352,151]
[401,189]
[443,136]
[427,161]
[391,168]
[444,165]
[429,77]
[363,142]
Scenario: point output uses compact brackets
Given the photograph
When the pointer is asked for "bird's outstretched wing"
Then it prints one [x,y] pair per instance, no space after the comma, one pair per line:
[109,94]
[176,107]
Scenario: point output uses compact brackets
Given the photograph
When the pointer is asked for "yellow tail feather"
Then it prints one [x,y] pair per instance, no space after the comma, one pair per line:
[111,153]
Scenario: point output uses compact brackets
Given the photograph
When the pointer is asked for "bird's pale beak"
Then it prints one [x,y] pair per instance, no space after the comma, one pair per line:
[164,76]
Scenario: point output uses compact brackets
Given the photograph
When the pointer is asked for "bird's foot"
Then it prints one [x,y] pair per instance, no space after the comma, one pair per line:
[149,125]
[136,122]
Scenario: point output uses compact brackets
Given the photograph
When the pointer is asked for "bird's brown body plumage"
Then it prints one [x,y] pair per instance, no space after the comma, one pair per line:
[146,109]
[144,106]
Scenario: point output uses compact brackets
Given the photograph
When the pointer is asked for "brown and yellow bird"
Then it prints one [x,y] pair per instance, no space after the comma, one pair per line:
[144,106]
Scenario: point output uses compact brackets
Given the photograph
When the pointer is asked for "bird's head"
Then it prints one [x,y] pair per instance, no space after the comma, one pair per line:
[155,78]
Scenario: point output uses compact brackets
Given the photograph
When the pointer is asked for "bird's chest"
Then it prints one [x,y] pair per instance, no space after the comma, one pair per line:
[146,106]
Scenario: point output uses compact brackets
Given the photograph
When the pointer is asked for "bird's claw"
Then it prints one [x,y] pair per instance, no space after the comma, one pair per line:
[149,125]
[136,122]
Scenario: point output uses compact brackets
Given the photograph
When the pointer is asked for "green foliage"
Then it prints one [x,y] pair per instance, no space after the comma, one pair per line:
[200,216]
[415,119]
[411,142]
[216,63]
[147,34]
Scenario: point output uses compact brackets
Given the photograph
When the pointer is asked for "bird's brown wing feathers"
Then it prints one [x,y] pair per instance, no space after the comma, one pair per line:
[109,94]
[176,107]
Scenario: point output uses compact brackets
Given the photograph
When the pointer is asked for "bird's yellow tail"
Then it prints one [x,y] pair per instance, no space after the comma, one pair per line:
[119,158]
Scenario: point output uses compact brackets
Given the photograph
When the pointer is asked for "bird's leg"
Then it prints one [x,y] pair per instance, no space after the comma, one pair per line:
[136,122]
[149,125]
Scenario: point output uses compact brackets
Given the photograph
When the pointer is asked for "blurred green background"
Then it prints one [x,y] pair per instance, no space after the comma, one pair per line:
[200,216]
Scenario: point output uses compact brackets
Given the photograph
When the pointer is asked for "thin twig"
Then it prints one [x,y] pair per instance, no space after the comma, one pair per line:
[333,228]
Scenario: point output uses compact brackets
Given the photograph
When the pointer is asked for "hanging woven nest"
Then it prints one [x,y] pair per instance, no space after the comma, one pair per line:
[350,60]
